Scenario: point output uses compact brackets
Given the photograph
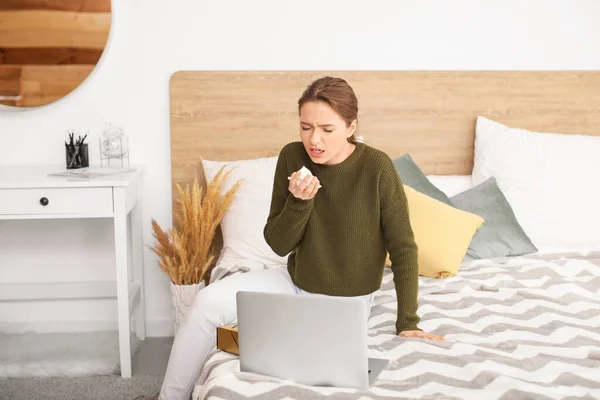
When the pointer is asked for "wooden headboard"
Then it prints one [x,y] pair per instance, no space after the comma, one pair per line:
[231,115]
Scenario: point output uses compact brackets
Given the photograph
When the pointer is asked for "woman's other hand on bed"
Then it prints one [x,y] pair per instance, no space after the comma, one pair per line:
[304,189]
[422,335]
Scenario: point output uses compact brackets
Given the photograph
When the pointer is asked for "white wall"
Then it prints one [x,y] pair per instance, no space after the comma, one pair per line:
[151,40]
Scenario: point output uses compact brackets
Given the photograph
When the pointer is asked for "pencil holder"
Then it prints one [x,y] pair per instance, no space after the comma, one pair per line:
[77,156]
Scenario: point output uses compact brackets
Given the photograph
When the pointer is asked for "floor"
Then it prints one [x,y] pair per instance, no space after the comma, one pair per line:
[149,365]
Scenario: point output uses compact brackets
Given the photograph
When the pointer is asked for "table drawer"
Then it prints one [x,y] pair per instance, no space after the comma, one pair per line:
[88,200]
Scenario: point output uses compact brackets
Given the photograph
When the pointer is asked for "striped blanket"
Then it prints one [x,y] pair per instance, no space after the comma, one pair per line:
[520,327]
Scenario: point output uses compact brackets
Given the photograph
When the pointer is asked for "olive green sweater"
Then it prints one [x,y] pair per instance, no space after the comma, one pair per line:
[337,241]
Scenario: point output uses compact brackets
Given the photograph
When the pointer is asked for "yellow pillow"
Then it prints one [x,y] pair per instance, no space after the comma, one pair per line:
[443,234]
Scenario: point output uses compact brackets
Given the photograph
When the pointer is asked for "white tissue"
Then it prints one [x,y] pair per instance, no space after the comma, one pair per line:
[303,173]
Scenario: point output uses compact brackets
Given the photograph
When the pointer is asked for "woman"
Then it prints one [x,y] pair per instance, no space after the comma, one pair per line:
[337,226]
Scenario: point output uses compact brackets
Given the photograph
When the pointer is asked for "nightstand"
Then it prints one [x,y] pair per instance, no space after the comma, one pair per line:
[27,192]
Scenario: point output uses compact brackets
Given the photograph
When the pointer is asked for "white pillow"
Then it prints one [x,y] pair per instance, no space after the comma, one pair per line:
[451,184]
[550,180]
[242,226]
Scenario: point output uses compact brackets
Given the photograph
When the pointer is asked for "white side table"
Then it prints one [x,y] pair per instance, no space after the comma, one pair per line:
[26,192]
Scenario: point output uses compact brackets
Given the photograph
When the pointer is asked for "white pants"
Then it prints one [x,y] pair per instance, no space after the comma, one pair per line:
[215,305]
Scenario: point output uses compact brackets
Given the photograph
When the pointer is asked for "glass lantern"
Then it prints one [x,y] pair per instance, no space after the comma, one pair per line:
[114,144]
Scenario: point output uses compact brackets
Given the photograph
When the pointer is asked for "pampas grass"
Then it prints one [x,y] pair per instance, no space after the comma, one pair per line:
[186,252]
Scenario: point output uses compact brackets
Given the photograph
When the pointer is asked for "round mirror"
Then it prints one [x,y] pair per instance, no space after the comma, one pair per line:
[49,47]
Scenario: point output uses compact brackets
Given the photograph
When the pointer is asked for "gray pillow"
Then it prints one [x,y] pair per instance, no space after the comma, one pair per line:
[411,175]
[500,235]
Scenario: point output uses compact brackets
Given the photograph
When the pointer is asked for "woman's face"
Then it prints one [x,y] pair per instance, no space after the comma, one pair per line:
[324,133]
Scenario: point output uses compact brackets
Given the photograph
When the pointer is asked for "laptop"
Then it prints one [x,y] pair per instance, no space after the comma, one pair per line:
[312,340]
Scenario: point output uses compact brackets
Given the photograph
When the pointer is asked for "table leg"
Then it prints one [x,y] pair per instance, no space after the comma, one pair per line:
[137,238]
[121,258]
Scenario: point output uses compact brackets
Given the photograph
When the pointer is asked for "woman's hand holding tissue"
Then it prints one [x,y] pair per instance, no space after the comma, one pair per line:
[303,186]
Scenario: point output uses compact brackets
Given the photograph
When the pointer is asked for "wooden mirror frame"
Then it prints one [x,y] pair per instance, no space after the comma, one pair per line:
[49,47]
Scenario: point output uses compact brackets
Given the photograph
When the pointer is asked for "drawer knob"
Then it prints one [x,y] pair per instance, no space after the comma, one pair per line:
[44,201]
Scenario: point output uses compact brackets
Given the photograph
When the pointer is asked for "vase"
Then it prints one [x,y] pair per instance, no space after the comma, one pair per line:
[183,297]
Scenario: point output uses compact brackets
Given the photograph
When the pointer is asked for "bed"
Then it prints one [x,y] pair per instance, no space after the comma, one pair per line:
[518,326]
[515,328]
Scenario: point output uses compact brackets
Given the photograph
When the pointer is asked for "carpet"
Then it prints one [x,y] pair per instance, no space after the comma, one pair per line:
[60,354]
